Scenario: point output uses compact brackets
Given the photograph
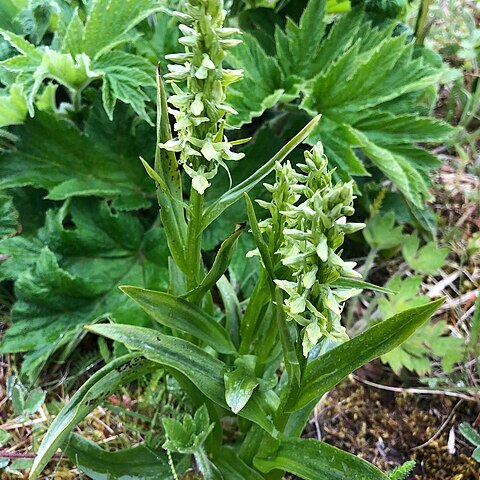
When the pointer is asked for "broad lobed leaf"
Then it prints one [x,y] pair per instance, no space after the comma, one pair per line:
[67,276]
[361,79]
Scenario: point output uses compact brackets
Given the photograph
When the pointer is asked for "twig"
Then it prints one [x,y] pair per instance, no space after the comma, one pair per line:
[416,391]
[442,427]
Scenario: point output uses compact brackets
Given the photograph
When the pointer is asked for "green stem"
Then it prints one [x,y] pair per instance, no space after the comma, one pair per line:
[194,240]
[422,26]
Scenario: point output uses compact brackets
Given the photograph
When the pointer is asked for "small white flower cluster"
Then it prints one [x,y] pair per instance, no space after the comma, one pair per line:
[308,219]
[200,111]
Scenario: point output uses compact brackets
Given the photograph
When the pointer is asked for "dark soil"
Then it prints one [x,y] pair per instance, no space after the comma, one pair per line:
[385,428]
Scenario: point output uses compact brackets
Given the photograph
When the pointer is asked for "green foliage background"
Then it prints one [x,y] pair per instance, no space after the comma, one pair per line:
[77,110]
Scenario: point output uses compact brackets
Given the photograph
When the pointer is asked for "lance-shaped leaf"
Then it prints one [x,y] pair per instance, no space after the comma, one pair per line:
[329,369]
[233,467]
[313,460]
[138,462]
[257,236]
[219,267]
[201,368]
[292,365]
[233,310]
[178,314]
[166,166]
[354,283]
[235,193]
[98,387]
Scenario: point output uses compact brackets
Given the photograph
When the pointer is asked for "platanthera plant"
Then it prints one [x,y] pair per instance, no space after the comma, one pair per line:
[253,375]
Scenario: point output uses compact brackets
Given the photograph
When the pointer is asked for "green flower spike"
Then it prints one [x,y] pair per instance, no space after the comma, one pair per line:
[200,111]
[306,228]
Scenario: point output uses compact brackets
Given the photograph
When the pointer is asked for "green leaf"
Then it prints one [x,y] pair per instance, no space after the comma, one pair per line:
[188,435]
[135,463]
[34,401]
[4,437]
[71,272]
[290,357]
[234,194]
[99,386]
[353,283]
[50,154]
[240,382]
[381,105]
[402,471]
[426,260]
[314,460]
[9,224]
[233,310]
[430,341]
[250,97]
[219,267]
[258,237]
[233,467]
[201,368]
[124,76]
[293,55]
[13,107]
[166,167]
[109,22]
[74,33]
[407,296]
[470,434]
[329,369]
[72,72]
[380,232]
[178,314]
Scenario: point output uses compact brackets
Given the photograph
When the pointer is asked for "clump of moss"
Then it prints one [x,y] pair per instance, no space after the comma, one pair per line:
[383,428]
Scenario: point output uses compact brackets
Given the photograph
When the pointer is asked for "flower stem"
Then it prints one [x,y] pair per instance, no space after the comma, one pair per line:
[194,240]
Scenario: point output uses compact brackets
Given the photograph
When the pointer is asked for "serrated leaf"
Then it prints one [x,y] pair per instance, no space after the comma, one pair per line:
[124,76]
[99,386]
[9,224]
[71,272]
[327,370]
[109,21]
[249,96]
[430,341]
[188,435]
[13,107]
[314,460]
[51,154]
[72,72]
[381,233]
[426,260]
[370,86]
